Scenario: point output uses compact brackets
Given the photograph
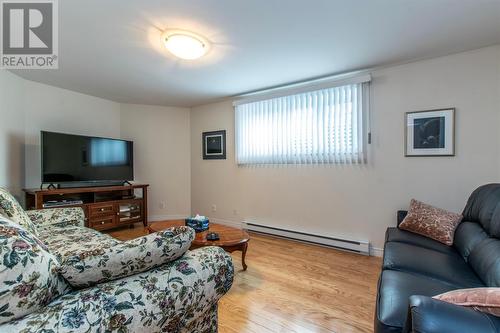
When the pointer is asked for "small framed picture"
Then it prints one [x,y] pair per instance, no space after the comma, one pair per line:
[430,133]
[214,145]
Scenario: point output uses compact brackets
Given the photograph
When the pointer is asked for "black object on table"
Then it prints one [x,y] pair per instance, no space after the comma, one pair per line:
[212,236]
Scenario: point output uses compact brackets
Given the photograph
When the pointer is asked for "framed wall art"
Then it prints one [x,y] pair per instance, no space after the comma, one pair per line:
[430,133]
[214,145]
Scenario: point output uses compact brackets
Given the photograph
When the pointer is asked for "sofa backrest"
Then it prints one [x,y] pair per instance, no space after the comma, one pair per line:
[28,273]
[483,207]
[477,237]
[467,236]
[11,209]
[485,260]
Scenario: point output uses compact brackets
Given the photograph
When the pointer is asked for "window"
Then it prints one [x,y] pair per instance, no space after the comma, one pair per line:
[326,126]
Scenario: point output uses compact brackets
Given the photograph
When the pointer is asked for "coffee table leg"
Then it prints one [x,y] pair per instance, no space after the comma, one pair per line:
[244,253]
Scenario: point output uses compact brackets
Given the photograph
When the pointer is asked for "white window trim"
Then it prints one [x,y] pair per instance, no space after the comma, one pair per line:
[293,89]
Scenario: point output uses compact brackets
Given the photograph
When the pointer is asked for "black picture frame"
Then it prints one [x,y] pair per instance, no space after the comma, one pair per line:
[430,133]
[214,145]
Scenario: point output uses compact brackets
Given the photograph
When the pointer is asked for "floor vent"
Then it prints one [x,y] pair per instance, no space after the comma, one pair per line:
[362,247]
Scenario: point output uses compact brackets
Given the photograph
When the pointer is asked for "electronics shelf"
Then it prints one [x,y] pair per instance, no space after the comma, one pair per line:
[105,207]
[61,203]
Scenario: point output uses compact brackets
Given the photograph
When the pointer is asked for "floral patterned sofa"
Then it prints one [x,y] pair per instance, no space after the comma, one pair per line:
[160,286]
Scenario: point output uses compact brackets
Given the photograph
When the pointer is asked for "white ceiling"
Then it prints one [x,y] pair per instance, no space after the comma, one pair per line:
[112,49]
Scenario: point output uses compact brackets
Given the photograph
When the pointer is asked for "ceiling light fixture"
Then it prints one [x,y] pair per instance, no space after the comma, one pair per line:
[184,44]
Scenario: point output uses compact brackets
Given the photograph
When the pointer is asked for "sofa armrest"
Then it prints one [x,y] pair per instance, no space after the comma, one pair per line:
[401,214]
[174,297]
[60,216]
[428,315]
[84,268]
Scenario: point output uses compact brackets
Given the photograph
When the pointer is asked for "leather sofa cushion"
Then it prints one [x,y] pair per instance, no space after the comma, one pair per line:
[396,287]
[467,237]
[448,267]
[402,236]
[483,206]
[485,260]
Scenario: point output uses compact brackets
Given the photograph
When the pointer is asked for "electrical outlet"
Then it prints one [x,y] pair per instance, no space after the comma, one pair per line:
[235,212]
[214,208]
[163,204]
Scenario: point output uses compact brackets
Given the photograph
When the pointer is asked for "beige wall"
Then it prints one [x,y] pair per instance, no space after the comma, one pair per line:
[27,107]
[11,132]
[161,156]
[498,108]
[347,201]
[360,202]
[59,110]
[161,135]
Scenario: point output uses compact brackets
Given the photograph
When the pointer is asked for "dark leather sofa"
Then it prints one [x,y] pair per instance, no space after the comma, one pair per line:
[415,268]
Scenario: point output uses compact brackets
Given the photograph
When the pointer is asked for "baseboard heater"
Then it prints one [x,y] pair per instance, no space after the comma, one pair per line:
[362,247]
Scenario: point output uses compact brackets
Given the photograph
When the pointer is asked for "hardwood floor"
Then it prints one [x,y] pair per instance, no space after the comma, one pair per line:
[295,287]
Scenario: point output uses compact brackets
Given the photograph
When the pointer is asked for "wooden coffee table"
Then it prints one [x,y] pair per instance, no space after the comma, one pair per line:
[231,239]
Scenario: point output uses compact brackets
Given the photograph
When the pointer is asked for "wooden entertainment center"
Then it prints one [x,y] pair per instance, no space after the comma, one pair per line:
[105,207]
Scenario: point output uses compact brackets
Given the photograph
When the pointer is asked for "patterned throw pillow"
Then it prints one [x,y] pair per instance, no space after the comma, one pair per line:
[432,222]
[481,299]
[28,274]
[88,266]
[11,209]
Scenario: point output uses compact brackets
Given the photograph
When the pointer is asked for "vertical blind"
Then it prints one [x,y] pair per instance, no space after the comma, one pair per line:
[324,126]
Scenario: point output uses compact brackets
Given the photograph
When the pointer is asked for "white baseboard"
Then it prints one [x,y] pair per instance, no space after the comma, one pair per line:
[358,246]
[376,251]
[154,218]
[235,224]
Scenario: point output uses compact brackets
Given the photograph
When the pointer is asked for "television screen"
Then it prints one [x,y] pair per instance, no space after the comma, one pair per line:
[76,158]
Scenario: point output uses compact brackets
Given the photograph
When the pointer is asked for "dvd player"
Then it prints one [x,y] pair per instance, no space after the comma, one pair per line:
[61,203]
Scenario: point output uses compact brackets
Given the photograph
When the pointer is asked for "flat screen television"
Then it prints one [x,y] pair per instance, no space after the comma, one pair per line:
[69,159]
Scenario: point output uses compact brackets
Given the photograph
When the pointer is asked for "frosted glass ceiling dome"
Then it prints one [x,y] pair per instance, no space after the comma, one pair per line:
[185,44]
